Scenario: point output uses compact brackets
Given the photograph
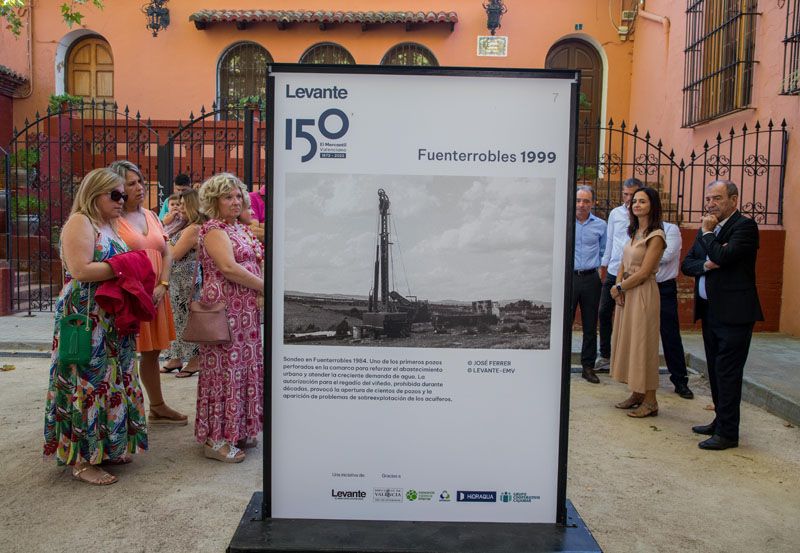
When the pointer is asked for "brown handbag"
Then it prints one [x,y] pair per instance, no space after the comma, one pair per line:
[207,323]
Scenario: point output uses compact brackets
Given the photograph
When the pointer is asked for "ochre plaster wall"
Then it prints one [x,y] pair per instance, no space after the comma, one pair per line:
[656,104]
[169,76]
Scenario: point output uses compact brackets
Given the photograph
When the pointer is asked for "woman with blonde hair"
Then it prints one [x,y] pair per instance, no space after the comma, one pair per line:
[230,387]
[141,230]
[182,288]
[94,413]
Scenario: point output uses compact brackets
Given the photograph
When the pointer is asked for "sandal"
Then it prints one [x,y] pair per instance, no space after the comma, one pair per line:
[155,418]
[214,450]
[645,410]
[186,373]
[634,401]
[101,477]
[164,369]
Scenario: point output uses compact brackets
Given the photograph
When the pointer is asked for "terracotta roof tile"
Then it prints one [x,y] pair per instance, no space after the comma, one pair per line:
[283,17]
[10,80]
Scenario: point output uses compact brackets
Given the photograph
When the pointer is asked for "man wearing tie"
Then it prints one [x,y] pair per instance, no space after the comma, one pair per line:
[723,262]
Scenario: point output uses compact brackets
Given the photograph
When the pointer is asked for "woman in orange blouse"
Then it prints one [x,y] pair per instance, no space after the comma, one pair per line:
[141,230]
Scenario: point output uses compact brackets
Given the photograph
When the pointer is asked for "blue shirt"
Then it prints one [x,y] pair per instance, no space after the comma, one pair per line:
[590,243]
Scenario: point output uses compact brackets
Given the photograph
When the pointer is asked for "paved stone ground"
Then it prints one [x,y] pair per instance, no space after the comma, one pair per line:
[640,485]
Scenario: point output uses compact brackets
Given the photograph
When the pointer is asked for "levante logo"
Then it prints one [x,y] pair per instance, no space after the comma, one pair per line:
[352,495]
[481,497]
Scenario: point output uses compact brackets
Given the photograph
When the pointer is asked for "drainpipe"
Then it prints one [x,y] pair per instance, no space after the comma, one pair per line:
[30,55]
[653,17]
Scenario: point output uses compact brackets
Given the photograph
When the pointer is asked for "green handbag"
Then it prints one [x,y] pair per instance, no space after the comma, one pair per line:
[75,338]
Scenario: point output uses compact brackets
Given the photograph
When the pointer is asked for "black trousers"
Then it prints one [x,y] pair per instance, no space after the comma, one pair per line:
[671,333]
[586,293]
[606,315]
[727,346]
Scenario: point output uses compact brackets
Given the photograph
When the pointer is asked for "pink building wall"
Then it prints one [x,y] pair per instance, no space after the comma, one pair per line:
[656,104]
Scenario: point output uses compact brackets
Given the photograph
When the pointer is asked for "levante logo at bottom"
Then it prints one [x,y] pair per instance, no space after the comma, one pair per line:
[484,497]
[352,495]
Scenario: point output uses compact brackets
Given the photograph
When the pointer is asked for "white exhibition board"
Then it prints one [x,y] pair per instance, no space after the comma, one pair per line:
[455,422]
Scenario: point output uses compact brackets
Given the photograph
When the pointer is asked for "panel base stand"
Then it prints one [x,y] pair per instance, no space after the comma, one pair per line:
[360,536]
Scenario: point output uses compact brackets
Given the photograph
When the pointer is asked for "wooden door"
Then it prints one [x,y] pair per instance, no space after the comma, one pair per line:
[90,70]
[577,54]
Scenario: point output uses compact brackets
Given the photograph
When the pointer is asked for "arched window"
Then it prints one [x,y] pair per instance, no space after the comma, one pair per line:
[327,52]
[90,70]
[409,53]
[241,73]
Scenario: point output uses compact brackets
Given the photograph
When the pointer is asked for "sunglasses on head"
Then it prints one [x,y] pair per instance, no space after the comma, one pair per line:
[116,196]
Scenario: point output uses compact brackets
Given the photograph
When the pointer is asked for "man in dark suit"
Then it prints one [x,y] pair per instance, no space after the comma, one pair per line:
[723,262]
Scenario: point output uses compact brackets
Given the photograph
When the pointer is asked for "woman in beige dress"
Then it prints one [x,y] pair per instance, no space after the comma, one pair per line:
[634,343]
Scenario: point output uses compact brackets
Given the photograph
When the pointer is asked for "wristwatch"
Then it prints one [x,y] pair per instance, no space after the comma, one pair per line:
[164,283]
[619,288]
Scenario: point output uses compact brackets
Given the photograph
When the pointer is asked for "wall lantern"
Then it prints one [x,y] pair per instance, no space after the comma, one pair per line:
[157,15]
[494,12]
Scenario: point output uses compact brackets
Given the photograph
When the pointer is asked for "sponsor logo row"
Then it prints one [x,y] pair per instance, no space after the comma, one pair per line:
[400,495]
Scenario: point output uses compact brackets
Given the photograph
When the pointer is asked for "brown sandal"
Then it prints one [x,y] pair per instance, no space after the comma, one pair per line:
[645,410]
[634,401]
[102,479]
[176,419]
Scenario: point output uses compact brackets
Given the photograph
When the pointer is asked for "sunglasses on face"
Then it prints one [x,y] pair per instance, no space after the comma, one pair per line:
[116,196]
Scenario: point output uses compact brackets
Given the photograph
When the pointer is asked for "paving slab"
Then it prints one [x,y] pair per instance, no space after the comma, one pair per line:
[771,376]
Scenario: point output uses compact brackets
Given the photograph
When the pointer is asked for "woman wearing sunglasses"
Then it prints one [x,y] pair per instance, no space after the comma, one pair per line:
[141,230]
[94,414]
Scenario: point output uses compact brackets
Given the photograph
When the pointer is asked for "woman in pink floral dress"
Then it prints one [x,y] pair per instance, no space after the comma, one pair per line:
[230,388]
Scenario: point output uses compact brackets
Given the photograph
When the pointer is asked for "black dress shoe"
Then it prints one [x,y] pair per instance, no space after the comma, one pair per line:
[684,391]
[718,443]
[706,429]
[588,374]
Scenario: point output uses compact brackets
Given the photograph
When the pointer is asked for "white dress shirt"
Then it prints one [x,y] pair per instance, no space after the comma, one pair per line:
[616,237]
[670,261]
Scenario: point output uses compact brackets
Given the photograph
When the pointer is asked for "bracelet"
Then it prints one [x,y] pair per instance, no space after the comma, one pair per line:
[619,289]
[164,283]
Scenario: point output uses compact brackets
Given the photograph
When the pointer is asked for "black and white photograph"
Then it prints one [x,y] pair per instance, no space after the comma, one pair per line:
[418,261]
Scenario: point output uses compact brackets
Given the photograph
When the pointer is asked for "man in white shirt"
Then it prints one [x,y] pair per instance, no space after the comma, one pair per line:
[670,326]
[616,237]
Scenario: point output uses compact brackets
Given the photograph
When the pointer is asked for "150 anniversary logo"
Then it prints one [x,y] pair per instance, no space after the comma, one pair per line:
[331,125]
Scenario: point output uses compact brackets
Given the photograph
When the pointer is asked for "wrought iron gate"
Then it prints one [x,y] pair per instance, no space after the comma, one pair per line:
[49,157]
[46,161]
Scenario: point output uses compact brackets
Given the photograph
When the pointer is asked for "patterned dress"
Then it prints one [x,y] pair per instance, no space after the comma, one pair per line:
[95,412]
[181,293]
[230,388]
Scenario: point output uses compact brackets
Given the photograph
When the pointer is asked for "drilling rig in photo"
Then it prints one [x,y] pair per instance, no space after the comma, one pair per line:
[389,313]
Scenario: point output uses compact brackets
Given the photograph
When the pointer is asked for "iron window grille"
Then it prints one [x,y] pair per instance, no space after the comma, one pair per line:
[718,71]
[327,53]
[242,73]
[791,49]
[409,54]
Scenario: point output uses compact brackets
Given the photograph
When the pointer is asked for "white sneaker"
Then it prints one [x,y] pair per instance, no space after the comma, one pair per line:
[602,365]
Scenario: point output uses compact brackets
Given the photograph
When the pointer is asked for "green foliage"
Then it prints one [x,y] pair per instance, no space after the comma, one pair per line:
[56,100]
[586,172]
[253,102]
[583,101]
[12,11]
[26,158]
[26,205]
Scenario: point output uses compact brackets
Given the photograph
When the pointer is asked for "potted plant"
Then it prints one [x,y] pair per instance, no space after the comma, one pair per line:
[23,166]
[63,102]
[25,212]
